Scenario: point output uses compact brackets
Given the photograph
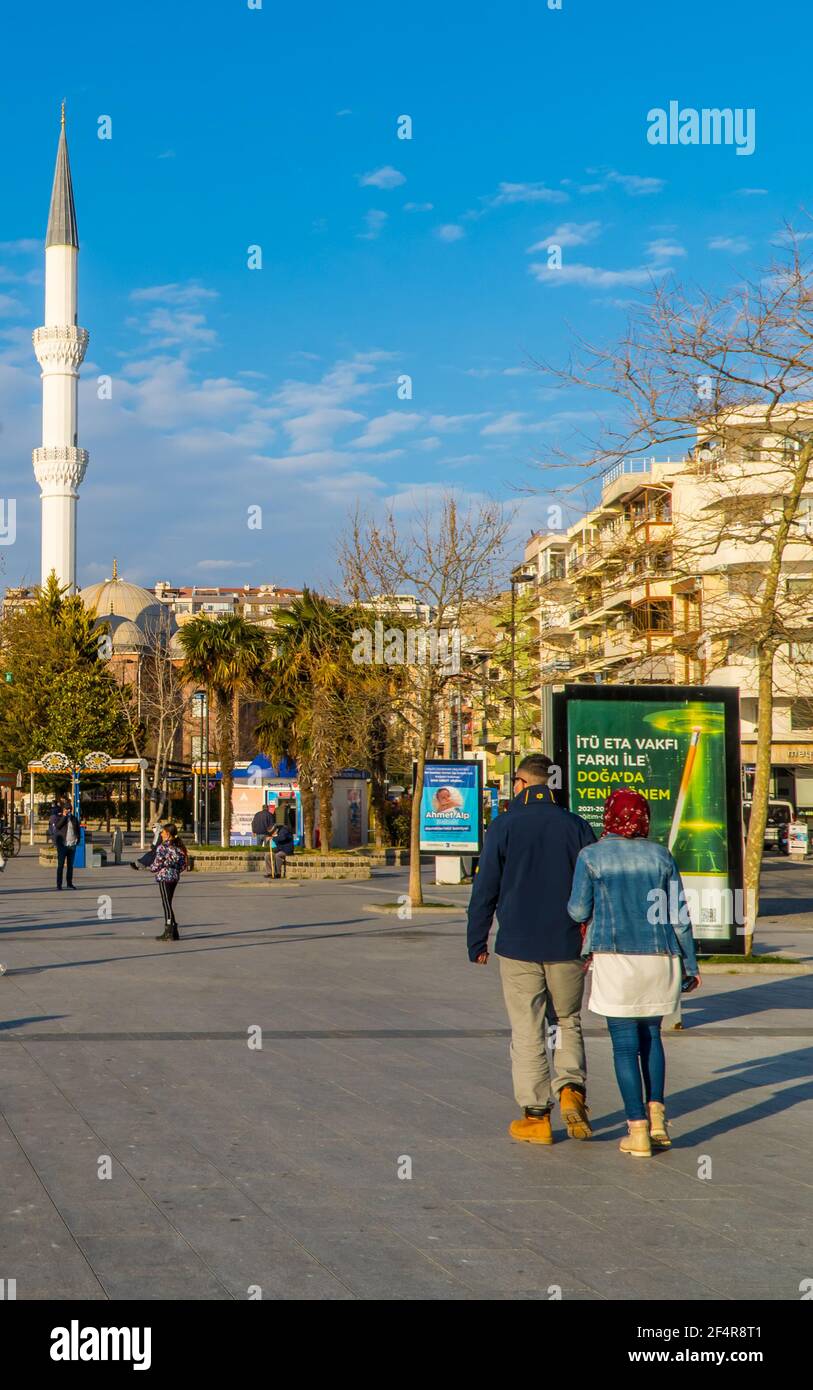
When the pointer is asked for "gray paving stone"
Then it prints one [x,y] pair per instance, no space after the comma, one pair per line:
[279,1167]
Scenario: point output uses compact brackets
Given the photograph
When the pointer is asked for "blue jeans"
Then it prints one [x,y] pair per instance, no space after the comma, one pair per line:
[640,1064]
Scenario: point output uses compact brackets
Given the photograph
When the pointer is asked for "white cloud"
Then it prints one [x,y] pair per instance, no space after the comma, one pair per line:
[189,293]
[167,329]
[223,565]
[375,220]
[316,429]
[24,246]
[752,192]
[665,250]
[450,231]
[512,422]
[593,276]
[509,193]
[735,244]
[385,427]
[450,424]
[386,177]
[418,207]
[569,234]
[634,185]
[789,237]
[10,306]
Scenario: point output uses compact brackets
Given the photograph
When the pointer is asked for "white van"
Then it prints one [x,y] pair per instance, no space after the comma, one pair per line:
[780,815]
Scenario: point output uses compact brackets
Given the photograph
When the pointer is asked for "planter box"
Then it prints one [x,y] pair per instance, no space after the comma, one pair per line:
[299,866]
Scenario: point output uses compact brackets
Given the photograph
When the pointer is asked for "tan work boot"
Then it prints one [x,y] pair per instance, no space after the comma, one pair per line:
[532,1129]
[574,1113]
[658,1128]
[637,1141]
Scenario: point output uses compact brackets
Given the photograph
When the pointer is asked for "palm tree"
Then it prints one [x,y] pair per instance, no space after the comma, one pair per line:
[305,683]
[283,732]
[226,656]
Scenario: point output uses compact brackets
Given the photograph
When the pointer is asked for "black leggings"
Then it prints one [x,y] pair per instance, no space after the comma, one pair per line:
[166,888]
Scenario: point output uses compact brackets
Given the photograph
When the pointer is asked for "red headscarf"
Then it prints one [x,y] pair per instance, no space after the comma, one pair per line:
[626,813]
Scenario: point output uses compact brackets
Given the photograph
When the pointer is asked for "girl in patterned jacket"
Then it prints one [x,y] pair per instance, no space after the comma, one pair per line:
[169,863]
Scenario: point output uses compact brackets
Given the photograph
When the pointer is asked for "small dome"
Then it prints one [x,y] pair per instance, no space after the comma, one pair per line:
[117,598]
[175,646]
[128,637]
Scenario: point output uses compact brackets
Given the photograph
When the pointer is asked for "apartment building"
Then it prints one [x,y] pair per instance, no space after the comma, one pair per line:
[660,583]
[256,603]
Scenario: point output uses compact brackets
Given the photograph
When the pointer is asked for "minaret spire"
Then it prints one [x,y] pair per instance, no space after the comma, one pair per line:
[62,230]
[60,346]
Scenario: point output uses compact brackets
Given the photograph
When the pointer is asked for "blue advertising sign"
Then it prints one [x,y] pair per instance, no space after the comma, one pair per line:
[452,807]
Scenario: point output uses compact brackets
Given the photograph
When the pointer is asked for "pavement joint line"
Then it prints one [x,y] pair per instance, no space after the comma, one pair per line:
[325,1034]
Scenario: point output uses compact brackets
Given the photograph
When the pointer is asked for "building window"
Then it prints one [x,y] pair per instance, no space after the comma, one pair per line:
[801,651]
[798,588]
[744,582]
[801,715]
[652,617]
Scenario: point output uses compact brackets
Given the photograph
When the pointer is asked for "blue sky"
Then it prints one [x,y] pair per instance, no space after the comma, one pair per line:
[234,127]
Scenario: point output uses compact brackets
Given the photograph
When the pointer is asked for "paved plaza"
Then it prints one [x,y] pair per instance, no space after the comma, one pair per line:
[238,1171]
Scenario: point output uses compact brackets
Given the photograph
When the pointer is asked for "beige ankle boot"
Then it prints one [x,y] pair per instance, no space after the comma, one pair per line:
[637,1141]
[658,1128]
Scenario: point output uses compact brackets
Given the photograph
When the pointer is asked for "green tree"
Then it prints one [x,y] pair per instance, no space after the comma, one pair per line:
[307,685]
[84,714]
[226,655]
[58,693]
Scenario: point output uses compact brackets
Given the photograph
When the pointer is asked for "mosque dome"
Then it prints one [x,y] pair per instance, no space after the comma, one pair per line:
[128,637]
[118,598]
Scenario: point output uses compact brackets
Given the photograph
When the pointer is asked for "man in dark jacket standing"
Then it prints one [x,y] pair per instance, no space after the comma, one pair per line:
[66,838]
[525,875]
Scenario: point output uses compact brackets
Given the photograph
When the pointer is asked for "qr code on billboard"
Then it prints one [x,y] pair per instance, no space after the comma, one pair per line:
[708,916]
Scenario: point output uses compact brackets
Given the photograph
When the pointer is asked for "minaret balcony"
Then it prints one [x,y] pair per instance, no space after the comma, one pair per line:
[60,348]
[59,466]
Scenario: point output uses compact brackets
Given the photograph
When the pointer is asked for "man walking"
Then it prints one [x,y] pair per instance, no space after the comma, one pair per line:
[66,838]
[525,876]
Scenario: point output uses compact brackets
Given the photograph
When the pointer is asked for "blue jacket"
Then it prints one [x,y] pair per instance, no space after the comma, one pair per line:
[525,875]
[634,894]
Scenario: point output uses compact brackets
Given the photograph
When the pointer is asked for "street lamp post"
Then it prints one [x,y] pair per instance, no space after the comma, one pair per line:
[517,577]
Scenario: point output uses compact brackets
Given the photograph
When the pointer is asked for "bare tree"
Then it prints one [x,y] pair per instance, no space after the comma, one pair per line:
[154,707]
[447,559]
[730,380]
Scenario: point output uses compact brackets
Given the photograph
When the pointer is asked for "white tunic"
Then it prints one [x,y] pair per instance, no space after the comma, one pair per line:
[635,986]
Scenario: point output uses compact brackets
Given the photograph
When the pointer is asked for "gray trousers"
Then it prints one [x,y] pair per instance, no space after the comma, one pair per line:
[529,987]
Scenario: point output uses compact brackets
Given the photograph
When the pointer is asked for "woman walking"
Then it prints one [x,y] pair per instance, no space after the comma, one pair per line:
[643,956]
[169,863]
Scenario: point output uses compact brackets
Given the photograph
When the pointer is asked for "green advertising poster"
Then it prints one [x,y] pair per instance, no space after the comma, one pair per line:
[674,754]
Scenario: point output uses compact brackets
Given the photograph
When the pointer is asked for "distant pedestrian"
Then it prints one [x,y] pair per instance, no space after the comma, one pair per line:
[169,863]
[65,830]
[525,876]
[643,956]
[280,845]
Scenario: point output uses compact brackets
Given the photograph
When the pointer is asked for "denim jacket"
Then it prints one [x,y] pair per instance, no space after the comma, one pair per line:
[633,892]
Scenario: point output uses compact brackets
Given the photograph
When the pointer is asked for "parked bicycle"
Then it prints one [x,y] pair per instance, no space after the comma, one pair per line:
[10,840]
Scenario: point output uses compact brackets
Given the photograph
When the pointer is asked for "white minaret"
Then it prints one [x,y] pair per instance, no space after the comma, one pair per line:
[59,466]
